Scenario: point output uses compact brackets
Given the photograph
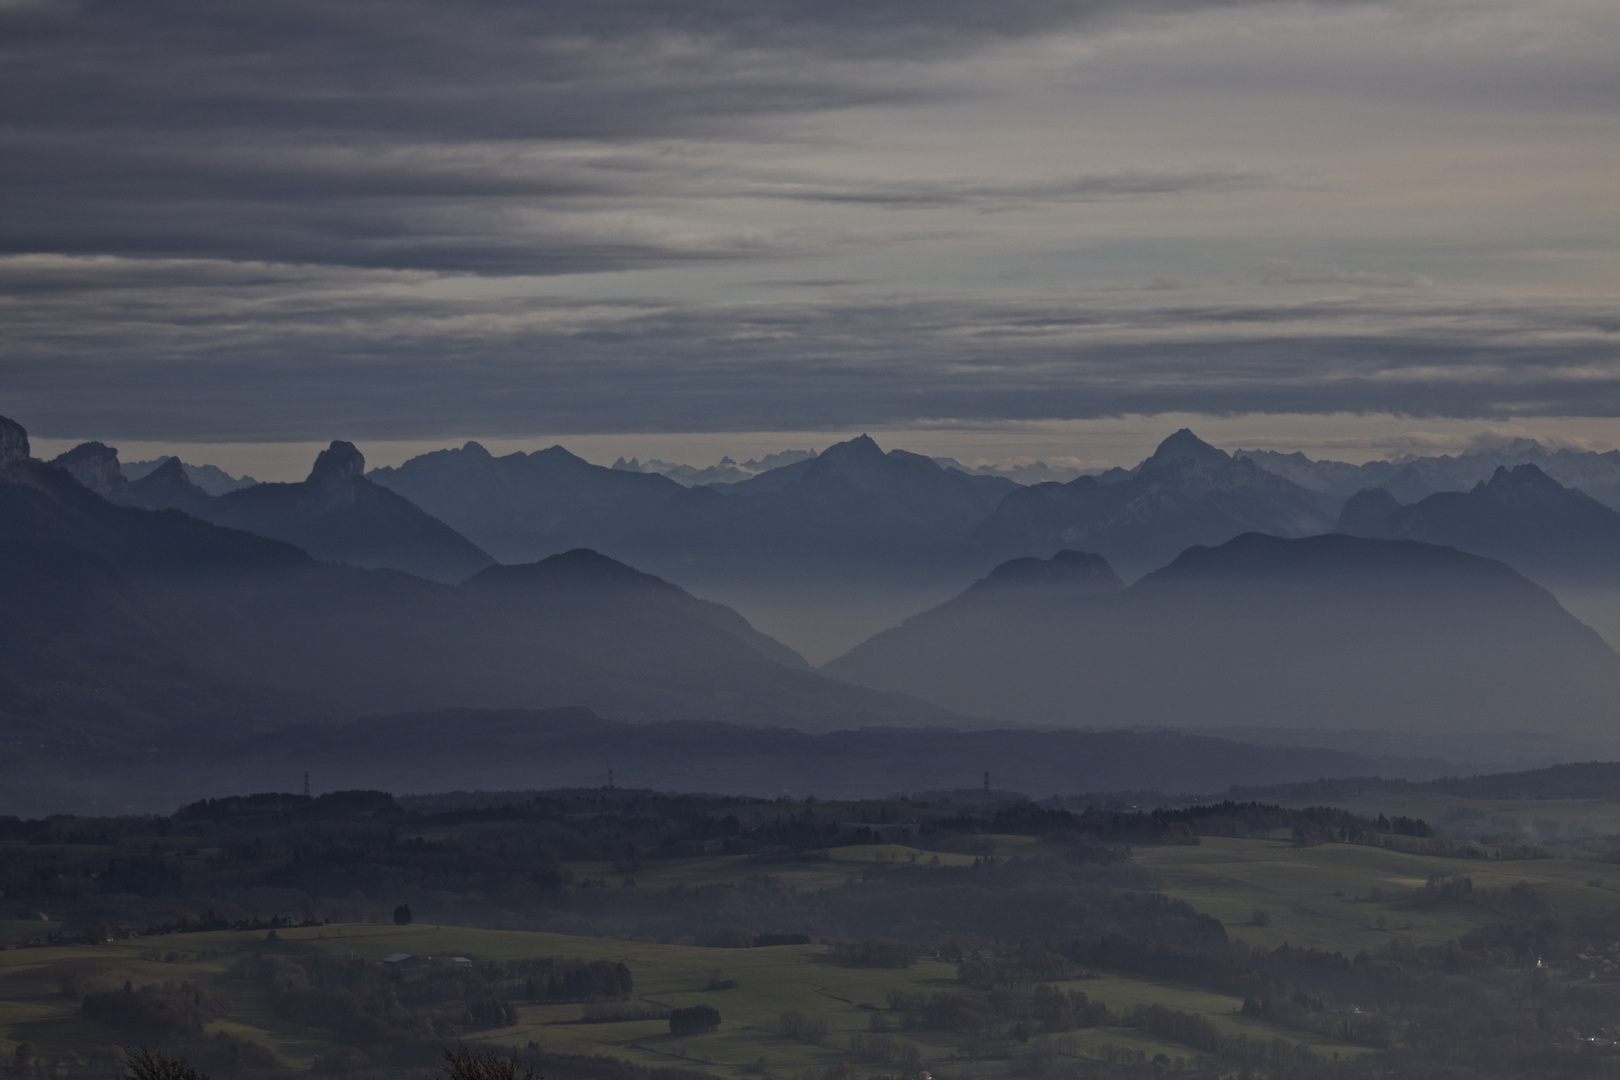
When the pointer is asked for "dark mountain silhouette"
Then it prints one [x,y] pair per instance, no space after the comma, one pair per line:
[210,478]
[583,587]
[852,502]
[169,486]
[336,515]
[1551,533]
[95,465]
[1186,493]
[1322,632]
[120,618]
[871,507]
[523,507]
[89,648]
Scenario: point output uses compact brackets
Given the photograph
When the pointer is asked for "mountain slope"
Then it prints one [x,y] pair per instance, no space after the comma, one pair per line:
[1323,632]
[1553,534]
[1186,493]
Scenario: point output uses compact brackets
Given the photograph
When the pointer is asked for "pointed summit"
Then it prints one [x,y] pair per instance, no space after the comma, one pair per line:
[13,442]
[1506,481]
[1182,447]
[862,448]
[168,487]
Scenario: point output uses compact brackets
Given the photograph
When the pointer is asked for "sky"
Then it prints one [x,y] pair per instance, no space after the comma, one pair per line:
[1033,228]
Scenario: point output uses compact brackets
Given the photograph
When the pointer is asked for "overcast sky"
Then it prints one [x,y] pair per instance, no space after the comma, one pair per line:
[283,221]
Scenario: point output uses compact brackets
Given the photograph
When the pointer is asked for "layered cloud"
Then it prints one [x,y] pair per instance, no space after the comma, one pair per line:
[399,218]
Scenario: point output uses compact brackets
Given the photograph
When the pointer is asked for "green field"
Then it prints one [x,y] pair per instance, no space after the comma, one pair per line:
[40,990]
[1348,898]
[1322,896]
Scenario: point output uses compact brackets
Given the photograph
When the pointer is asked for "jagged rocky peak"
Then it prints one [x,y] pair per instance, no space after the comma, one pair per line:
[13,442]
[338,471]
[342,461]
[95,465]
[1185,448]
[1068,571]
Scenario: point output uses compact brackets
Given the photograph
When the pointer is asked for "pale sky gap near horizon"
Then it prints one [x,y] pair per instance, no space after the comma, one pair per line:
[1052,229]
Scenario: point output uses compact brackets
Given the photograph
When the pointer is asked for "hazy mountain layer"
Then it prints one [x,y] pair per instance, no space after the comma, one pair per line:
[210,478]
[1323,632]
[1414,478]
[1551,533]
[122,618]
[336,515]
[853,530]
[1187,493]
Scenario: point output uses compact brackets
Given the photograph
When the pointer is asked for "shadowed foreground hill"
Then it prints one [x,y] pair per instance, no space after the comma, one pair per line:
[1323,632]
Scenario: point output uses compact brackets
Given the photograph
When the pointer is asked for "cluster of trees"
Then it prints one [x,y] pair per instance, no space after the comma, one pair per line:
[371,1004]
[1006,1013]
[165,1009]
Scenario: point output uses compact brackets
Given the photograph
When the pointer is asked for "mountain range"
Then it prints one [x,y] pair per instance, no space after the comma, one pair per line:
[824,550]
[1188,492]
[1413,478]
[1324,632]
[211,478]
[336,514]
[124,620]
[145,615]
[1551,533]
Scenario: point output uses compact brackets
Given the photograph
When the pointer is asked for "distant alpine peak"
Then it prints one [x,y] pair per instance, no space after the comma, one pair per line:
[1520,476]
[13,442]
[171,467]
[342,461]
[860,448]
[1184,446]
[172,471]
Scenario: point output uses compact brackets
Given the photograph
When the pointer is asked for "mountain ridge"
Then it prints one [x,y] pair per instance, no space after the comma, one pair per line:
[1324,632]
